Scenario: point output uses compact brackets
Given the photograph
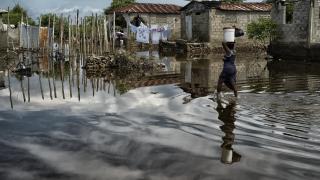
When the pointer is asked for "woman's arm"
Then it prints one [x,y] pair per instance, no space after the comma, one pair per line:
[226,48]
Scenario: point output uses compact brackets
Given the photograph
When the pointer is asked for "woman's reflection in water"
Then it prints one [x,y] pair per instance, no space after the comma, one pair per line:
[227,116]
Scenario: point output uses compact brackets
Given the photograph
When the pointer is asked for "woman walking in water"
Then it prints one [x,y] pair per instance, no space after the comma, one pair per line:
[229,72]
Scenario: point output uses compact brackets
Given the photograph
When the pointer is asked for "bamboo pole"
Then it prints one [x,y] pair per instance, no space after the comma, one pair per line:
[10,91]
[22,89]
[78,76]
[92,34]
[114,30]
[97,84]
[28,38]
[8,26]
[62,77]
[39,33]
[78,57]
[48,38]
[70,47]
[54,80]
[21,40]
[109,84]
[61,35]
[71,41]
[70,86]
[92,85]
[114,89]
[77,31]
[69,38]
[85,82]
[61,61]
[105,23]
[41,88]
[49,82]
[28,89]
[52,37]
[101,84]
[100,39]
[80,37]
[128,34]
[85,37]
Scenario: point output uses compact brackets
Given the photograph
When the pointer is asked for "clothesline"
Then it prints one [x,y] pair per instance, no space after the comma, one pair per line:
[143,32]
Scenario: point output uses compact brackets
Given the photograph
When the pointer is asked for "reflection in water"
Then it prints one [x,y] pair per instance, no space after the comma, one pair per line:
[135,125]
[227,116]
[57,72]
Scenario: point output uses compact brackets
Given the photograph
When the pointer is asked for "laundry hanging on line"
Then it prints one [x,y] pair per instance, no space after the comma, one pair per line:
[156,32]
[143,34]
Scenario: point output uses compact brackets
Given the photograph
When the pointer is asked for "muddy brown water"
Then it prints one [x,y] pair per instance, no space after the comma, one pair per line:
[169,125]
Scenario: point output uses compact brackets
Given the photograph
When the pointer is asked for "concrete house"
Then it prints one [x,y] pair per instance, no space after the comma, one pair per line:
[203,21]
[298,37]
[153,14]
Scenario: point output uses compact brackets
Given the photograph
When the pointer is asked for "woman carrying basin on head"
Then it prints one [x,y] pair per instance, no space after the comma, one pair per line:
[229,71]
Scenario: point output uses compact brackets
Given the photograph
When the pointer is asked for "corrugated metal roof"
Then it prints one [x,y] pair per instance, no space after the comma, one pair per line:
[265,7]
[149,8]
[245,7]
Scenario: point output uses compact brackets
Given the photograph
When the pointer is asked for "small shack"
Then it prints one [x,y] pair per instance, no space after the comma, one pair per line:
[152,15]
[298,30]
[203,21]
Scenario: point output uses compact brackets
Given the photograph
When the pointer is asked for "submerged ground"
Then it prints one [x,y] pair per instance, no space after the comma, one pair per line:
[162,126]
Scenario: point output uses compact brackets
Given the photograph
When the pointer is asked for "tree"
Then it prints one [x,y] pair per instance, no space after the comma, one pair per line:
[263,31]
[117,4]
[15,15]
[120,21]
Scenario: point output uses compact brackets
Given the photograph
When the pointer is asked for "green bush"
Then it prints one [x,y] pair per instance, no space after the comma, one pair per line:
[263,30]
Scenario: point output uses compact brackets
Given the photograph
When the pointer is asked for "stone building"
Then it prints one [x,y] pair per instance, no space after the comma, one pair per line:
[153,14]
[298,37]
[203,21]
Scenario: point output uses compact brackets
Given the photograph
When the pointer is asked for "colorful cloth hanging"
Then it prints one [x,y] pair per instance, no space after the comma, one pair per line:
[143,34]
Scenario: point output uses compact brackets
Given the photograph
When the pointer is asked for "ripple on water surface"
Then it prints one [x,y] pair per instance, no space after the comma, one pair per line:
[176,131]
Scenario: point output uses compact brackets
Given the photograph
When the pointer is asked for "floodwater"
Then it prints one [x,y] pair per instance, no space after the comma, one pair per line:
[79,125]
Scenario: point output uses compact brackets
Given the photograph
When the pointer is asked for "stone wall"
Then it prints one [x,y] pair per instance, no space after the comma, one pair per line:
[207,25]
[220,19]
[297,31]
[294,38]
[200,26]
[316,22]
[183,25]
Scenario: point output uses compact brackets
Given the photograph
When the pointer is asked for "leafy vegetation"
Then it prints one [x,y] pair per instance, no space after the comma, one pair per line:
[120,21]
[117,4]
[15,15]
[263,30]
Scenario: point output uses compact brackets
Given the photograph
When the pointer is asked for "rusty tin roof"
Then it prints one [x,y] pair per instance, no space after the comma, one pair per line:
[149,8]
[265,7]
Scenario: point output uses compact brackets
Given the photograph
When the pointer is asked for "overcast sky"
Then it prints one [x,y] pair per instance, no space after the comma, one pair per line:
[36,7]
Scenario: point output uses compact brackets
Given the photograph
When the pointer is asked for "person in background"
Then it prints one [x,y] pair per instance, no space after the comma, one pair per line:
[229,72]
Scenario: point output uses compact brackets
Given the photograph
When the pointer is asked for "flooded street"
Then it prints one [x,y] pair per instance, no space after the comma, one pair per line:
[65,123]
